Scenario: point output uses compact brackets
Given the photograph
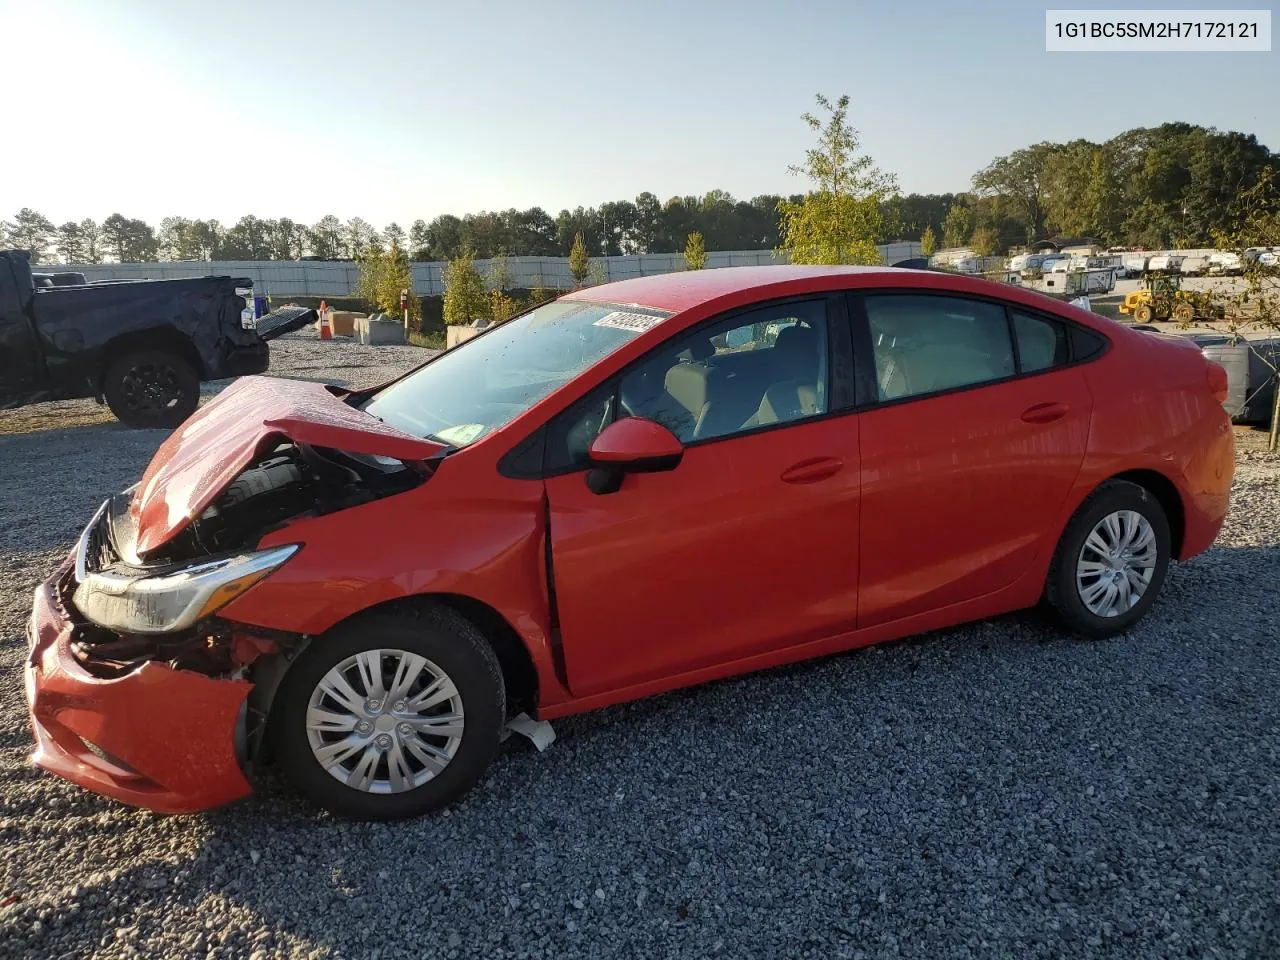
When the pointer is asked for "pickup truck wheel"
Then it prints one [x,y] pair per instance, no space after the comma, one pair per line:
[390,715]
[151,389]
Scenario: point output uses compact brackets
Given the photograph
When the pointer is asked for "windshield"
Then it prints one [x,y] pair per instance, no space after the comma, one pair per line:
[468,393]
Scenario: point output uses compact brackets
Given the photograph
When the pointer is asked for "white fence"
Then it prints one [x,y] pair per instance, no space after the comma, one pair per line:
[315,278]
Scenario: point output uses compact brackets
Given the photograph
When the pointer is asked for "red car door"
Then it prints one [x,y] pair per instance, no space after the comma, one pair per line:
[749,544]
[969,451]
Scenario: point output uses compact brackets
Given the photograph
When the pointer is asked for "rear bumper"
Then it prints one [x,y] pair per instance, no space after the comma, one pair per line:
[244,361]
[155,737]
[1207,495]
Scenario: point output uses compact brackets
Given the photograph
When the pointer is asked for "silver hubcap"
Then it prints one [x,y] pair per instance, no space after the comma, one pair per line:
[385,721]
[1116,563]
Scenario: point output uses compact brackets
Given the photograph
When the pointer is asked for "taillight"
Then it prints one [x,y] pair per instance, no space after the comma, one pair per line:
[1216,376]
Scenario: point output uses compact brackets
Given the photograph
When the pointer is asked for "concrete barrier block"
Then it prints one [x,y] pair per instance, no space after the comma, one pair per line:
[375,332]
[344,322]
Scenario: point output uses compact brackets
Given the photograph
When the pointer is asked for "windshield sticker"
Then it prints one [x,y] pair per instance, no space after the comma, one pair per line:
[462,434]
[635,322]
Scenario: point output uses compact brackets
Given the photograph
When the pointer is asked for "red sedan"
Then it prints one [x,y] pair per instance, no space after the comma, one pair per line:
[634,488]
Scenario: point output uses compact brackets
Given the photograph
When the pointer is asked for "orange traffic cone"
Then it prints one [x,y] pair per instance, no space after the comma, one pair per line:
[326,327]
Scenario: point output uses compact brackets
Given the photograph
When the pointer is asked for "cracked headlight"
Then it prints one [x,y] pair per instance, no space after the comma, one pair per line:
[176,599]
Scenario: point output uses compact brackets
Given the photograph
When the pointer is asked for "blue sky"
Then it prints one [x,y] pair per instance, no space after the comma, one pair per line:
[395,109]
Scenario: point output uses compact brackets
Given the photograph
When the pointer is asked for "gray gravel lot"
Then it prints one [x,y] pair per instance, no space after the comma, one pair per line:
[995,790]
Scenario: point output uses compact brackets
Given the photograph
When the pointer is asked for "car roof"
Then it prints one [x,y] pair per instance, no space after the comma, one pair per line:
[691,288]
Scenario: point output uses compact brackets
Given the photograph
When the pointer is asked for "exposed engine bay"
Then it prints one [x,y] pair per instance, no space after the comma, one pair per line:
[291,481]
[286,483]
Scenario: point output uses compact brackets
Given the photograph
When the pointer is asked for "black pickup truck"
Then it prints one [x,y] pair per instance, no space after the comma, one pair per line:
[143,346]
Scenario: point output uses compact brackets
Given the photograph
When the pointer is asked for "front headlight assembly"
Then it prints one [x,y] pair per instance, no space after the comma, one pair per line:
[175,599]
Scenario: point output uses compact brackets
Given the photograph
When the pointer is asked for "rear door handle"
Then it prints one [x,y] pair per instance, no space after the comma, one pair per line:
[812,470]
[1044,412]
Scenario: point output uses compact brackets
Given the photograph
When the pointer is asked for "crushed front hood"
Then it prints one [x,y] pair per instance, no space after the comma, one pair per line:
[223,437]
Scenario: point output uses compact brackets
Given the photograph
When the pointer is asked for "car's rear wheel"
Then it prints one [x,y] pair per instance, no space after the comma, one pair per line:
[151,389]
[1111,561]
[390,715]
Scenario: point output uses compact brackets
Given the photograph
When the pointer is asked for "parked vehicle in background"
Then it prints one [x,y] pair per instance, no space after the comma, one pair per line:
[1026,261]
[569,511]
[1134,263]
[64,279]
[1194,266]
[1076,283]
[974,265]
[1224,264]
[142,346]
[1164,263]
[1264,256]
[1251,367]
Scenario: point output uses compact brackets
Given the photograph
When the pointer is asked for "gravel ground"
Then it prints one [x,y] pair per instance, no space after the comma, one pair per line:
[995,790]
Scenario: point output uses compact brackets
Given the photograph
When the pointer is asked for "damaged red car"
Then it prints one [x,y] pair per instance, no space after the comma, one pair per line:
[637,487]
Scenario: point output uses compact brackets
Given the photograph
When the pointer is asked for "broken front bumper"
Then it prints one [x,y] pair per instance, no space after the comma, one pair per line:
[154,737]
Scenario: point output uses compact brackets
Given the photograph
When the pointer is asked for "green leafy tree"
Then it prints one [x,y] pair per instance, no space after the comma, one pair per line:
[985,242]
[360,238]
[579,260]
[70,243]
[92,234]
[928,242]
[1020,177]
[324,238]
[205,239]
[444,238]
[129,240]
[501,306]
[174,239]
[695,252]
[286,239]
[393,235]
[249,239]
[958,225]
[383,275]
[418,239]
[32,231]
[597,274]
[1102,199]
[498,275]
[839,220]
[465,298]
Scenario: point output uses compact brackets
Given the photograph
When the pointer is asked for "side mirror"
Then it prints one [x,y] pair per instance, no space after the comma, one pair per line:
[631,445]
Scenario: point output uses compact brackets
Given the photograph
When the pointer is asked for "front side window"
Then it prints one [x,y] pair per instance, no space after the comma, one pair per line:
[481,386]
[750,370]
[925,344]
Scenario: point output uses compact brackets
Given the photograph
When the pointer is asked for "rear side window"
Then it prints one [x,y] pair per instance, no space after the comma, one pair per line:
[1042,344]
[925,344]
[1085,344]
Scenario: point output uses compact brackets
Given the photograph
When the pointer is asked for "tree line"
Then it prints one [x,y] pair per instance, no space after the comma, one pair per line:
[1167,186]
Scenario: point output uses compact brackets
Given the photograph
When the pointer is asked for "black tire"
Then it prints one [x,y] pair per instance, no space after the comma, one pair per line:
[151,389]
[444,638]
[1062,595]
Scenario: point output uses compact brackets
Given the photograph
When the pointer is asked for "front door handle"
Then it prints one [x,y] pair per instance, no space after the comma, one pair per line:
[1044,412]
[812,470]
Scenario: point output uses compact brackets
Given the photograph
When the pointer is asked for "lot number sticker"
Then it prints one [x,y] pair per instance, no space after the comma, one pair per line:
[635,322]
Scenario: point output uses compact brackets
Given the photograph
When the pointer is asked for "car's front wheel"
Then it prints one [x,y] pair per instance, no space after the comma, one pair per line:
[1111,561]
[390,715]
